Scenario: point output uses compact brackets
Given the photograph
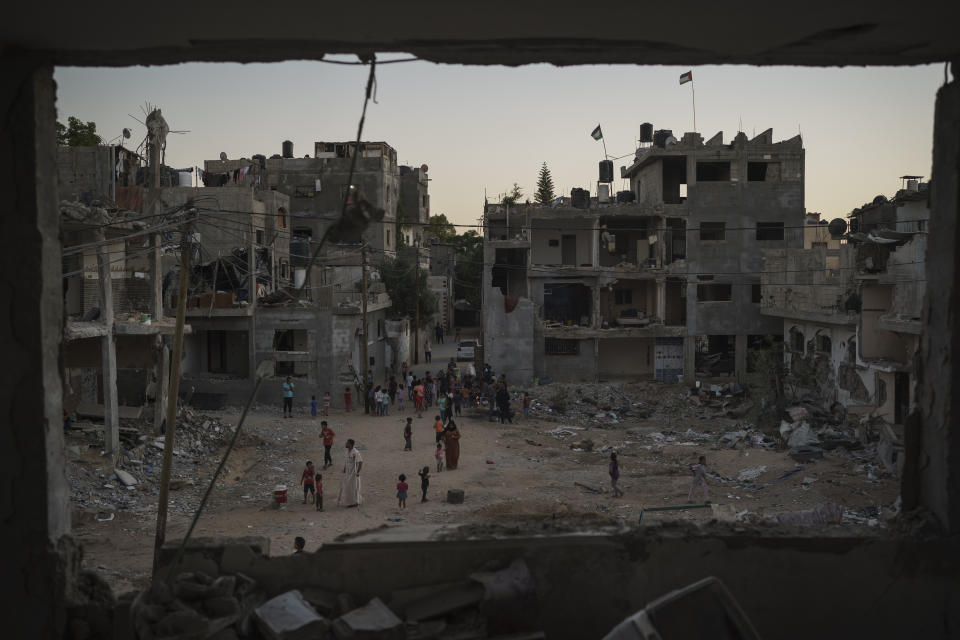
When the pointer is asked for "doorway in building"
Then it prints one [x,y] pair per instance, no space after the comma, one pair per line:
[568,250]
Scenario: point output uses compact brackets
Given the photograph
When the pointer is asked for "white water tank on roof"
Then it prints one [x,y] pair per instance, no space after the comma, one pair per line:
[185,178]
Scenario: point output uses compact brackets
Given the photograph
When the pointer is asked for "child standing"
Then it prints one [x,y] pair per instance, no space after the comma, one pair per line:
[346,399]
[400,394]
[699,472]
[408,435]
[326,434]
[439,456]
[319,479]
[326,403]
[306,479]
[424,482]
[313,406]
[402,492]
[298,544]
[615,475]
[438,427]
[526,405]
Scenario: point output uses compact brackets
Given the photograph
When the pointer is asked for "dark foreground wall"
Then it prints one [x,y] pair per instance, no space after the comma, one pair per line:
[791,586]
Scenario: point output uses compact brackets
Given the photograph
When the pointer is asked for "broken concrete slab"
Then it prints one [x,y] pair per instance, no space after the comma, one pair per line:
[802,436]
[403,598]
[289,617]
[455,496]
[126,478]
[374,620]
[453,598]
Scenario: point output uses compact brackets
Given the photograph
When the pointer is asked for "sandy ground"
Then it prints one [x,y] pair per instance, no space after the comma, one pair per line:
[507,471]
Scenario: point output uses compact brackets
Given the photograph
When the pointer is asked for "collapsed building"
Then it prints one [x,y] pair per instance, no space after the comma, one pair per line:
[851,304]
[661,281]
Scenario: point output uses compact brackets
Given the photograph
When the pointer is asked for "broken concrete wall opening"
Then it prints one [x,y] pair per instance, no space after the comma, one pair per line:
[39,520]
[567,303]
[509,271]
[629,302]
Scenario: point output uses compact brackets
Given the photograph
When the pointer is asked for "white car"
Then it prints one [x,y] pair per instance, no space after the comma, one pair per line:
[465,350]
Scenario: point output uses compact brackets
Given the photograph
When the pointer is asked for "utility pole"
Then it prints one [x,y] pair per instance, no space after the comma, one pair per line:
[173,393]
[363,292]
[416,321]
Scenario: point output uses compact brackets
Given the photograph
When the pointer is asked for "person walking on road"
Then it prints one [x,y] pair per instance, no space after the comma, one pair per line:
[614,471]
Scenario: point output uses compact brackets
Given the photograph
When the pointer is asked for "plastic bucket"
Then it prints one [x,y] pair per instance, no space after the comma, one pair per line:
[280,494]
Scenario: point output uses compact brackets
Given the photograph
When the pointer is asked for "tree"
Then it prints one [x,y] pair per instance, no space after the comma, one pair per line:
[399,276]
[514,196]
[77,133]
[544,193]
[469,268]
[441,228]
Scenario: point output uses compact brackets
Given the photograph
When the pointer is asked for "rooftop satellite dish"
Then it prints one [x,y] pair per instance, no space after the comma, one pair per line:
[424,168]
[126,133]
[223,155]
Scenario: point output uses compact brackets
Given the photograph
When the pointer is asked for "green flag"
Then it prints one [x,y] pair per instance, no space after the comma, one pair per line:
[596,134]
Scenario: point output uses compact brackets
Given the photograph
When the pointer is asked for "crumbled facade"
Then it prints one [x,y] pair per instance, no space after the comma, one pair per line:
[852,314]
[658,282]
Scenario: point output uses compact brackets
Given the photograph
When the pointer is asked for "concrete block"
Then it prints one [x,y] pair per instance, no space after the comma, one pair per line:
[373,620]
[455,496]
[289,617]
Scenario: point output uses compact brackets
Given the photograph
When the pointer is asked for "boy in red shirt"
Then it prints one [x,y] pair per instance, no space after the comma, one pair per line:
[306,479]
[326,434]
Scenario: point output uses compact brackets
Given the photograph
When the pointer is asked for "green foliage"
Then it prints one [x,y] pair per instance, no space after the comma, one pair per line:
[441,228]
[469,267]
[544,194]
[77,133]
[399,276]
[513,197]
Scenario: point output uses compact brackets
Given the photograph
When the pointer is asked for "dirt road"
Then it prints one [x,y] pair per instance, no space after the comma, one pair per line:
[508,472]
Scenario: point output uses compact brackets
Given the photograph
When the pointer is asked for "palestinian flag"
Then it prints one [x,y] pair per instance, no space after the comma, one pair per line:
[686,77]
[596,134]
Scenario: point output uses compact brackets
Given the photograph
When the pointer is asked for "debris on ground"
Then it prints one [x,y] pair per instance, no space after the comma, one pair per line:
[197,606]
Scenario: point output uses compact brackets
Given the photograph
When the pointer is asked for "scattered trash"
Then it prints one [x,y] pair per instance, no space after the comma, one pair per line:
[822,514]
[107,519]
[746,475]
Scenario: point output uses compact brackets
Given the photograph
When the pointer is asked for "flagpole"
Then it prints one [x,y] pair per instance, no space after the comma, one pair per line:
[693,98]
[604,141]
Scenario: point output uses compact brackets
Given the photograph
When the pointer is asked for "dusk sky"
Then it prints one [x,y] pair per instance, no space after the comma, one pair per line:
[484,128]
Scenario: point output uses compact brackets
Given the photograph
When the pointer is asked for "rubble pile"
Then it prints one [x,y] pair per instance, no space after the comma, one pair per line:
[134,482]
[197,606]
[612,404]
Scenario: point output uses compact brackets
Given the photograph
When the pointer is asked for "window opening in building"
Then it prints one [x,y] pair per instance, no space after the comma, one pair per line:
[824,343]
[674,180]
[714,292]
[713,172]
[796,341]
[712,231]
[259,236]
[769,231]
[755,293]
[623,296]
[561,347]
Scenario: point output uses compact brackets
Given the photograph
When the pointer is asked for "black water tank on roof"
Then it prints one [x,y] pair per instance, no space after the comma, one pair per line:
[646,132]
[580,198]
[299,251]
[626,196]
[606,171]
[660,137]
[287,149]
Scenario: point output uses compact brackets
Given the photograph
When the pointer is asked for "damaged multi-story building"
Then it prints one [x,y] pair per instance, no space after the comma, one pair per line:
[851,304]
[660,281]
